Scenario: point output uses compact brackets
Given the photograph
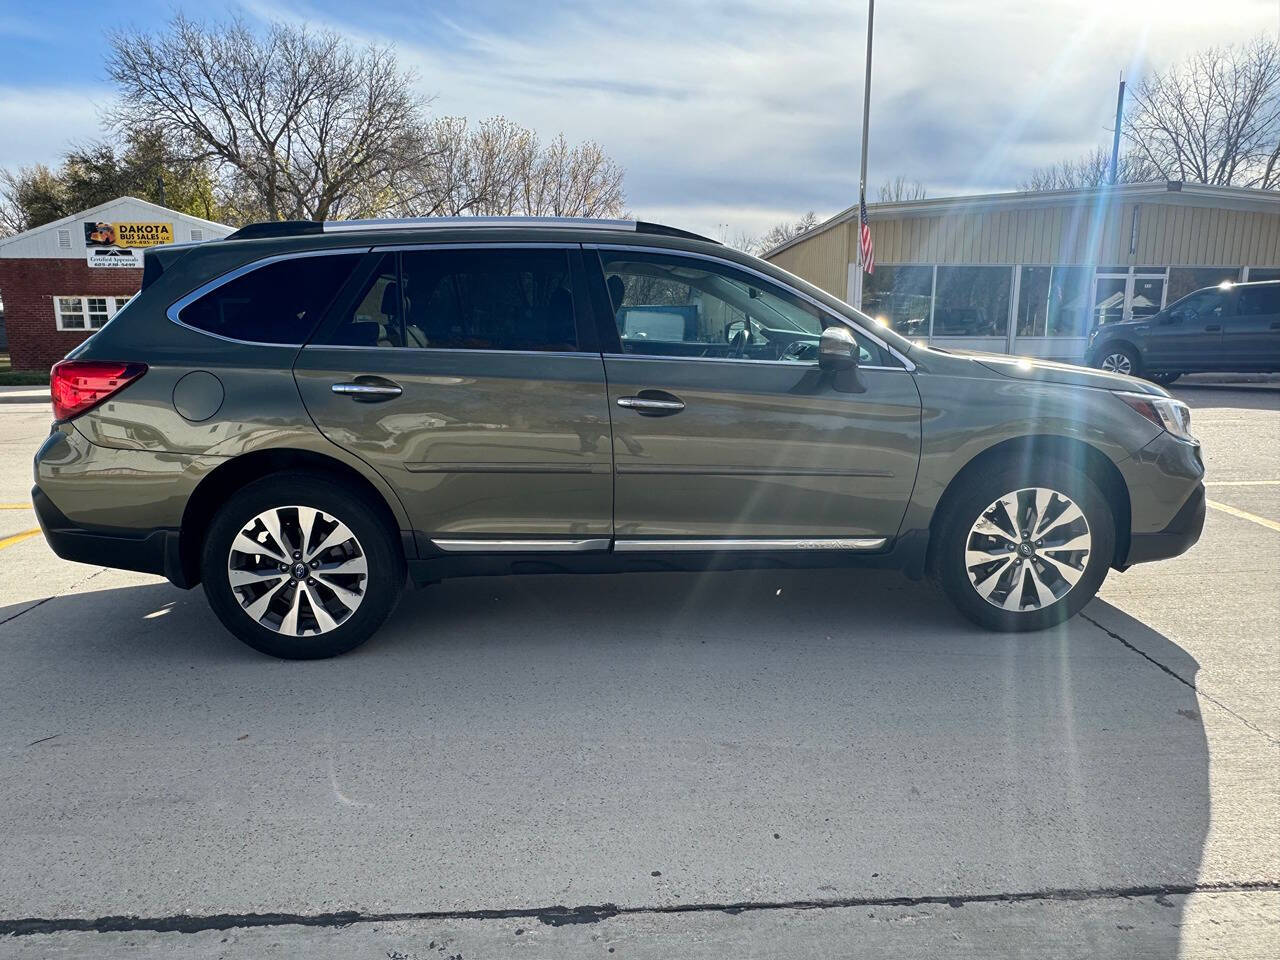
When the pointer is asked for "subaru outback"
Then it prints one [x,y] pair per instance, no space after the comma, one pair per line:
[304,416]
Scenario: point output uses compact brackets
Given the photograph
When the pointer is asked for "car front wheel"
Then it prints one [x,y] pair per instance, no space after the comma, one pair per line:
[1024,548]
[299,568]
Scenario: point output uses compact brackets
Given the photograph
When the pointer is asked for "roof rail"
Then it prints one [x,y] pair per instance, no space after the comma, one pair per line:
[433,223]
[644,226]
[277,228]
[295,228]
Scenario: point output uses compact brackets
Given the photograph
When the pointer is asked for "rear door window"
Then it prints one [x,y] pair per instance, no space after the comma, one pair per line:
[374,319]
[518,299]
[279,302]
[1260,301]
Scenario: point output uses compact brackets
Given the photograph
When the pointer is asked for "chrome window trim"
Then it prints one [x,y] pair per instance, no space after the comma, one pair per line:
[796,365]
[174,311]
[594,354]
[522,546]
[451,223]
[685,544]
[907,364]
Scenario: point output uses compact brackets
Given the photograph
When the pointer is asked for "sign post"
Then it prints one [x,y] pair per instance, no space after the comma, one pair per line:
[862,179]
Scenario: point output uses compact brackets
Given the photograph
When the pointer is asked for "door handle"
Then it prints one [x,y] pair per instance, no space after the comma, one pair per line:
[1275,324]
[1213,328]
[368,389]
[656,404]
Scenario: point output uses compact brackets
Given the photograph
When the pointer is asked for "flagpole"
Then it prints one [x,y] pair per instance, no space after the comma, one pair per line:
[862,179]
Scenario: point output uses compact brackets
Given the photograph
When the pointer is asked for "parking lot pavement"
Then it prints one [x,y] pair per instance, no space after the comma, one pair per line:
[741,764]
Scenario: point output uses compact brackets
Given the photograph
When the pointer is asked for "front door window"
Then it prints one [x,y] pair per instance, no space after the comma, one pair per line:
[676,307]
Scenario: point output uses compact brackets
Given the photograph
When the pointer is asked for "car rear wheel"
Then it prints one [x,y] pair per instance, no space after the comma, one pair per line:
[1119,359]
[298,568]
[1025,547]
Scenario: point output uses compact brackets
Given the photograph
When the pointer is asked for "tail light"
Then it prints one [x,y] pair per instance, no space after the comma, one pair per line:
[80,385]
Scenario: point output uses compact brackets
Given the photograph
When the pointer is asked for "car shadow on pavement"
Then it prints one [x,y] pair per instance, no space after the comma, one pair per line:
[838,737]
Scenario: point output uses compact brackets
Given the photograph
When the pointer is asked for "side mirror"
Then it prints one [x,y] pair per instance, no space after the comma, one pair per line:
[837,349]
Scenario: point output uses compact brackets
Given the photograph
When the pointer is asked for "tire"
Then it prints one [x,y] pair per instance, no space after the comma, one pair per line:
[355,576]
[1119,358]
[1164,379]
[979,591]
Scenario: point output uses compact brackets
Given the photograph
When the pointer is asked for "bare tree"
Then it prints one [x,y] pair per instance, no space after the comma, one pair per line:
[900,188]
[30,196]
[780,233]
[738,239]
[1090,170]
[1214,118]
[302,122]
[500,168]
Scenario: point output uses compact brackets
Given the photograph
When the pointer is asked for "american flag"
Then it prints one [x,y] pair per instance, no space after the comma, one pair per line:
[868,252]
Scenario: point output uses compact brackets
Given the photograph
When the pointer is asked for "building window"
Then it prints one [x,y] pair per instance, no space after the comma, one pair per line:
[85,312]
[972,302]
[1033,301]
[1147,295]
[1264,273]
[1184,280]
[1069,302]
[900,297]
[1054,301]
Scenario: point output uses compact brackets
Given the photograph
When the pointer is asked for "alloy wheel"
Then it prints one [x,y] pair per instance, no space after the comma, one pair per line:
[297,571]
[1117,363]
[1028,549]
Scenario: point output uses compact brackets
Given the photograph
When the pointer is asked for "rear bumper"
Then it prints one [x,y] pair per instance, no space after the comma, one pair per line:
[147,551]
[1183,531]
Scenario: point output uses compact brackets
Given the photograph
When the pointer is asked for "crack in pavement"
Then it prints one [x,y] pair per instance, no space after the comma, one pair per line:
[557,916]
[1200,692]
[43,600]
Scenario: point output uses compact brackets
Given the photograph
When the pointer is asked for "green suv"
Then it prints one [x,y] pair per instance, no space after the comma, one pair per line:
[304,414]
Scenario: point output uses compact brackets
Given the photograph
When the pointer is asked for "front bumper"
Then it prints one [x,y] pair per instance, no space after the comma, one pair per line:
[147,551]
[1183,531]
[1166,490]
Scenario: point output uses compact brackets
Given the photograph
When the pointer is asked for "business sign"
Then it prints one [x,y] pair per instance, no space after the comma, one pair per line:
[119,246]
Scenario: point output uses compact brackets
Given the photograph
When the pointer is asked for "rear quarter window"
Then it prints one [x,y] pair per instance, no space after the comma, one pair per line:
[279,302]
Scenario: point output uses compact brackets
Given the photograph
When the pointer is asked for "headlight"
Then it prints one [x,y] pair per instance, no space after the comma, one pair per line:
[1173,415]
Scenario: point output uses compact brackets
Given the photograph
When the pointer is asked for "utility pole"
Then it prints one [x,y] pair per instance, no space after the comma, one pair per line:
[1115,141]
[862,179]
[160,190]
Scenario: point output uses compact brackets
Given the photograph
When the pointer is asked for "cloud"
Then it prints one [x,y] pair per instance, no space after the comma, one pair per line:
[748,111]
[42,122]
[732,111]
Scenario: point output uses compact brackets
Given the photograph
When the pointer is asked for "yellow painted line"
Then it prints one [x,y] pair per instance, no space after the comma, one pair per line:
[1242,483]
[1242,514]
[27,534]
[16,506]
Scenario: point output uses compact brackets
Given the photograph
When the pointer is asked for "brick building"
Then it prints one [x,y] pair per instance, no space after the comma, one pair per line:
[61,281]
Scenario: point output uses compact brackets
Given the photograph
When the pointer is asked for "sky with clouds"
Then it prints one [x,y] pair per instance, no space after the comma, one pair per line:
[728,115]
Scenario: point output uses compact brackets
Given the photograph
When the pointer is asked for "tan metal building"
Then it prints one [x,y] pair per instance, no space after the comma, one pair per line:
[1032,273]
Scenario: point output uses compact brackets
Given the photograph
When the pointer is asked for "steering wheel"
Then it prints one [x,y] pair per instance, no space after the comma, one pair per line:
[738,345]
[798,351]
